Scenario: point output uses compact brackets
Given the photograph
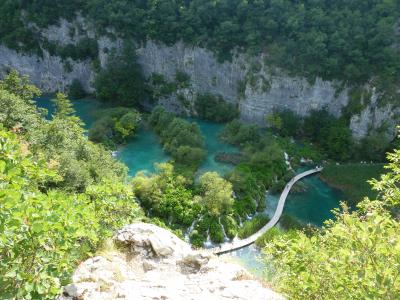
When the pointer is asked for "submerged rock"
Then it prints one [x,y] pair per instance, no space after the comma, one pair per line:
[152,263]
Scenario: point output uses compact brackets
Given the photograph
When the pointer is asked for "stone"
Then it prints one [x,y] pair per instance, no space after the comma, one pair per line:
[269,90]
[173,271]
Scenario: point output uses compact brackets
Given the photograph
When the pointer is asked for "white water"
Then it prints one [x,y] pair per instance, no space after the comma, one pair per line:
[190,229]
[208,243]
[226,239]
[287,161]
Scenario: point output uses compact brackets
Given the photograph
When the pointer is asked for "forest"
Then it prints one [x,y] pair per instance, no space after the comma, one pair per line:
[347,40]
[48,164]
[63,194]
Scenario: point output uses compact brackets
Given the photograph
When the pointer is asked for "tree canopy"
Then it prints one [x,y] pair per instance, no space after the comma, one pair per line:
[348,40]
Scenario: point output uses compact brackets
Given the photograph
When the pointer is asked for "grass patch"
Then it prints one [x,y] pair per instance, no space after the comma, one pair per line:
[352,179]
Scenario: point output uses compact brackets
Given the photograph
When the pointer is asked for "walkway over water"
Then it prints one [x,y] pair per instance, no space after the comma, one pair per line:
[278,212]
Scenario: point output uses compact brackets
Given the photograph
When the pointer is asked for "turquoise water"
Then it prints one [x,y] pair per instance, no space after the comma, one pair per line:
[142,152]
[213,145]
[311,206]
[86,109]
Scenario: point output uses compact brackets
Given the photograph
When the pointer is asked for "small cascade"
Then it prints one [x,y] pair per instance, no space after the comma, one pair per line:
[190,229]
[114,153]
[287,161]
[226,239]
[208,243]
[240,221]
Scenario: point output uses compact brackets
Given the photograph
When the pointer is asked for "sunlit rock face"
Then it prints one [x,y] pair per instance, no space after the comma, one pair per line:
[152,263]
[248,82]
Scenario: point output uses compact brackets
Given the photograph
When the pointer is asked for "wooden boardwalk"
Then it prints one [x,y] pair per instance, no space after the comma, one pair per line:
[225,248]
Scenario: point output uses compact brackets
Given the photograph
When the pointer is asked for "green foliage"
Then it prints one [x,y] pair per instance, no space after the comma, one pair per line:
[230,226]
[355,256]
[61,140]
[352,179]
[166,195]
[286,123]
[332,135]
[262,162]
[182,79]
[216,233]
[121,81]
[215,108]
[20,86]
[183,140]
[311,39]
[160,87]
[115,126]
[197,239]
[373,147]
[252,226]
[46,232]
[76,90]
[269,236]
[240,134]
[216,194]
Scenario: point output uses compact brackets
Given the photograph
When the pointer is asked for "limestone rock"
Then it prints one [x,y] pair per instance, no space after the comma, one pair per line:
[155,264]
[256,91]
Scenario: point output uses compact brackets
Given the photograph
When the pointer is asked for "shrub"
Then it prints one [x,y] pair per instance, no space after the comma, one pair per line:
[252,226]
[76,90]
[47,231]
[215,108]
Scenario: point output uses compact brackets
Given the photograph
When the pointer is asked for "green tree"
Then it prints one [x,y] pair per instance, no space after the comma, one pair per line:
[216,194]
[19,86]
[76,90]
[355,256]
[121,81]
[45,231]
[275,121]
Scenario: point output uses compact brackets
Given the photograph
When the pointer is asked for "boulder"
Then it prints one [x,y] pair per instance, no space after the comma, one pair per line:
[152,263]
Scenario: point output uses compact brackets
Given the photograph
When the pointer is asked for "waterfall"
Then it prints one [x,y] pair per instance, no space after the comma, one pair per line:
[189,231]
[208,243]
[191,228]
[226,239]
[287,161]
[240,221]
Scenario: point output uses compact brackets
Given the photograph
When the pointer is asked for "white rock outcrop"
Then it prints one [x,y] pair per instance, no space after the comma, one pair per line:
[152,263]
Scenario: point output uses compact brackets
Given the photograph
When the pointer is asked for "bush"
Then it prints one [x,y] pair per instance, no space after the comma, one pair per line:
[47,231]
[215,108]
[230,226]
[121,82]
[252,226]
[239,134]
[196,239]
[183,140]
[269,236]
[76,90]
[216,233]
[115,126]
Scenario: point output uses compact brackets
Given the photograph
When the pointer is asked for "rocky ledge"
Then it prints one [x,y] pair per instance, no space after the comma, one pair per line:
[152,263]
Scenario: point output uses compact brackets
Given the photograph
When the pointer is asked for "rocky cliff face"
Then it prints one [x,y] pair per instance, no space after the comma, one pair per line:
[152,263]
[256,88]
